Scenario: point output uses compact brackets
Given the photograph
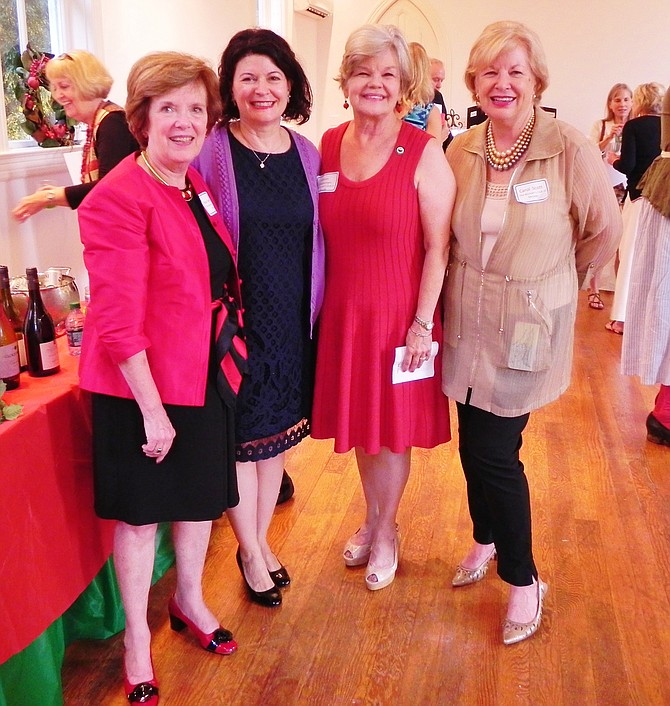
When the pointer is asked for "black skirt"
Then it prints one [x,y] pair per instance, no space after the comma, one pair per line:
[195,482]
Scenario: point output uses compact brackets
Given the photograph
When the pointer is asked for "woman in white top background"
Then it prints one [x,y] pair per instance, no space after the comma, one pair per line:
[606,133]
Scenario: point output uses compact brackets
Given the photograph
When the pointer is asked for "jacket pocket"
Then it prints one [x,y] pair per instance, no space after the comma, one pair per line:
[525,330]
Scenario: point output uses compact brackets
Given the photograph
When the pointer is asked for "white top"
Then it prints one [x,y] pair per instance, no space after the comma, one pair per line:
[492,217]
[614,145]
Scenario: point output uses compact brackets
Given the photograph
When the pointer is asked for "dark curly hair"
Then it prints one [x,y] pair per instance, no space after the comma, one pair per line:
[266,43]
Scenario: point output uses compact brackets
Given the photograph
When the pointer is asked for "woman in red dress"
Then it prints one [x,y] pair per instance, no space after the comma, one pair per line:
[386,193]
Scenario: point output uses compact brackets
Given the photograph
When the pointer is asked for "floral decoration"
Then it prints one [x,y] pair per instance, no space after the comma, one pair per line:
[8,411]
[45,119]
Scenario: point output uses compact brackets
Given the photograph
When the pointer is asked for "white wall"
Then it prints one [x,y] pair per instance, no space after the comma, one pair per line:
[123,31]
[132,28]
[590,45]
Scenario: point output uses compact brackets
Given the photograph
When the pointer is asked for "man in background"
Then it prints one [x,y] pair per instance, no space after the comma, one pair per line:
[437,74]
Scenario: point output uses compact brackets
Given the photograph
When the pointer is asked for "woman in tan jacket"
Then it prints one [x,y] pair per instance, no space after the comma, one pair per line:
[534,213]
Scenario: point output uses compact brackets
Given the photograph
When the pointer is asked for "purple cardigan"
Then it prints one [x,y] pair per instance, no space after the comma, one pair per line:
[215,164]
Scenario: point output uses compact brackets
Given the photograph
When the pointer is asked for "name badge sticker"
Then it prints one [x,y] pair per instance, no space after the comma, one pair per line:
[532,191]
[327,182]
[207,203]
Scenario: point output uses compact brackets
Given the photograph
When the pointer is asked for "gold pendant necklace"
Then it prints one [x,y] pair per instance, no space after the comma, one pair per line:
[187,192]
[501,161]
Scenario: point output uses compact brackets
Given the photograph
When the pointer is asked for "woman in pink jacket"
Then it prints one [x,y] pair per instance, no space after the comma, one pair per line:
[160,354]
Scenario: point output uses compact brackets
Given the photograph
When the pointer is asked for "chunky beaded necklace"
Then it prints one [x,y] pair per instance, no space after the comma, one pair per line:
[187,193]
[501,161]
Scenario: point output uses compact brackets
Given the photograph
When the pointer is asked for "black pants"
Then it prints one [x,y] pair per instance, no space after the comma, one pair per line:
[498,496]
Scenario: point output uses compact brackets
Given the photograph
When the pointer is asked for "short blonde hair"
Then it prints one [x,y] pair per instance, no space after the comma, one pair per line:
[421,90]
[160,72]
[500,37]
[370,40]
[648,98]
[89,77]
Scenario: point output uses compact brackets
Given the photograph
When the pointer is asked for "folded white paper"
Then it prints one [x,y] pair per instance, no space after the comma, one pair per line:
[426,370]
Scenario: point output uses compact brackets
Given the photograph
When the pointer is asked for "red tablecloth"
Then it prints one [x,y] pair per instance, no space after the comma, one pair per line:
[51,543]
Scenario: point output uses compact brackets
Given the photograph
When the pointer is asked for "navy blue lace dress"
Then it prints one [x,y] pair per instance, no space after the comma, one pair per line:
[274,260]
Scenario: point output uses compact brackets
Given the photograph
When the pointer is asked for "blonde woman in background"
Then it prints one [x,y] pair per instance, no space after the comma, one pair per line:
[420,101]
[606,133]
[640,145]
[81,84]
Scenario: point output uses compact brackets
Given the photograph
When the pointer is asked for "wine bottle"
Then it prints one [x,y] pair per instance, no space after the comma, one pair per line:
[9,353]
[12,315]
[39,332]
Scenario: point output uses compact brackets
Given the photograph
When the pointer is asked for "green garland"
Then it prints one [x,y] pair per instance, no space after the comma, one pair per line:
[45,119]
[8,411]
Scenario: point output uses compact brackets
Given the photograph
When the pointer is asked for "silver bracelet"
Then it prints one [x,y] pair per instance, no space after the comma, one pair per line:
[420,335]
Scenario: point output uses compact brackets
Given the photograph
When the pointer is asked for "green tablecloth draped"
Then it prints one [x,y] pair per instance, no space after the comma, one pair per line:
[33,676]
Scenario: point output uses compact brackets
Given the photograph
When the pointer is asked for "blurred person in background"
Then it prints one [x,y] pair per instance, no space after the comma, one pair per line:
[81,84]
[646,341]
[437,74]
[422,111]
[640,145]
[606,133]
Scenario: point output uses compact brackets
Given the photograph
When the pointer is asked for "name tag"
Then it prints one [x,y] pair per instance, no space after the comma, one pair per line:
[327,182]
[523,350]
[532,191]
[207,203]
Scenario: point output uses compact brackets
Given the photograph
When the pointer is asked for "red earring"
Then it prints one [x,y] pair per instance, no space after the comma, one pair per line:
[345,105]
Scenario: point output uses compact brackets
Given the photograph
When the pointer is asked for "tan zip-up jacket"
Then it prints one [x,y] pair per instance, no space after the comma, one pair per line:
[509,327]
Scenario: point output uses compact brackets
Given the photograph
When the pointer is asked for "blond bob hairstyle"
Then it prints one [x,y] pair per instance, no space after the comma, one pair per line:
[648,98]
[501,37]
[370,40]
[88,76]
[421,89]
[156,74]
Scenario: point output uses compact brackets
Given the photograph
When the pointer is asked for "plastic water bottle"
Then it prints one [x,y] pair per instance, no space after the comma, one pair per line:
[74,328]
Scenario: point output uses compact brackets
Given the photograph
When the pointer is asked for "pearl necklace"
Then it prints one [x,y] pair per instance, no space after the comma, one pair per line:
[187,192]
[501,161]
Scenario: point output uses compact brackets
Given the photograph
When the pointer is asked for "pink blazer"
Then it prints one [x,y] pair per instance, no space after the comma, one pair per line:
[149,280]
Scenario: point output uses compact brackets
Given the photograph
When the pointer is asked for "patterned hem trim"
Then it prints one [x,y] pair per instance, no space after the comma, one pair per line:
[271,446]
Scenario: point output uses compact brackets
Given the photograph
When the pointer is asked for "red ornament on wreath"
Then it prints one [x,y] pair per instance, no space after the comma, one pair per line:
[45,119]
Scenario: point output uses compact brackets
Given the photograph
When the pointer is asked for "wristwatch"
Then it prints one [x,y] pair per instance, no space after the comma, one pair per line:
[427,325]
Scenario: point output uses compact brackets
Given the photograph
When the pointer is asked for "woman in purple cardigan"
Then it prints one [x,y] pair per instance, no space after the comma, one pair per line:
[264,180]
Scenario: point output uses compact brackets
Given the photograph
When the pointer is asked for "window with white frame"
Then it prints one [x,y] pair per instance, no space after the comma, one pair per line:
[35,22]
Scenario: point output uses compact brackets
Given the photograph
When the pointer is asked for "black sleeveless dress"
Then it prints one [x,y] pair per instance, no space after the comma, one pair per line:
[274,262]
[197,479]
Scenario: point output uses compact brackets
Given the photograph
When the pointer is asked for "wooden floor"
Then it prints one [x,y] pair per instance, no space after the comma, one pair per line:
[601,514]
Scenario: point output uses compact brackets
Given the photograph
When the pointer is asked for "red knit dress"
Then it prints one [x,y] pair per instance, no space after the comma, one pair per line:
[374,260]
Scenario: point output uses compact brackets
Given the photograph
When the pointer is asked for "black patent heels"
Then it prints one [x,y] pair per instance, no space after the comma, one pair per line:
[270,598]
[280,578]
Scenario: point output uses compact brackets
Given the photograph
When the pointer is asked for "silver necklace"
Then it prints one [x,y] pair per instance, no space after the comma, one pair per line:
[261,162]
